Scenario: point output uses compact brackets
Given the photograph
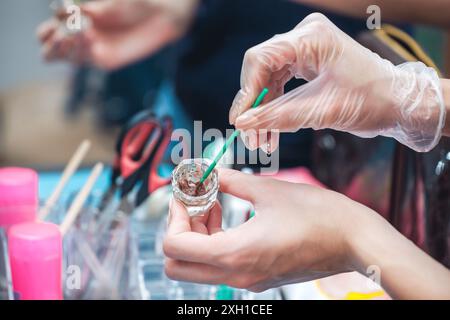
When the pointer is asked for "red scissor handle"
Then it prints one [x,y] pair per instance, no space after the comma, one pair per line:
[155,181]
[137,146]
[152,180]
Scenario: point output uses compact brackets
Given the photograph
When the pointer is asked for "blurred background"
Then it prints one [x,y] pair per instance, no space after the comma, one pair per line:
[190,70]
[35,129]
[46,109]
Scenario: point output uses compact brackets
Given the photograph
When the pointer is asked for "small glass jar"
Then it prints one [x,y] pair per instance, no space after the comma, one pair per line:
[186,176]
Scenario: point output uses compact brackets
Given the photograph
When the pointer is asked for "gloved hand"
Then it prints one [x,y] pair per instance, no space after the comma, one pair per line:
[299,233]
[120,32]
[349,89]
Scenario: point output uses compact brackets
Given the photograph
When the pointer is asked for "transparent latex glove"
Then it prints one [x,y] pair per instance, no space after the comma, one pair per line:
[292,238]
[120,31]
[349,88]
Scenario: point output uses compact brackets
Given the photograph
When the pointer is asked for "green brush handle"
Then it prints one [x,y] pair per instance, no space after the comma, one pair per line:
[231,139]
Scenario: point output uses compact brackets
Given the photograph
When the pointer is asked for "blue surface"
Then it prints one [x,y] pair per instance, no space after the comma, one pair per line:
[49,180]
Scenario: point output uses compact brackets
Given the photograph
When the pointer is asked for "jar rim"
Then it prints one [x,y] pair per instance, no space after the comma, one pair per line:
[202,161]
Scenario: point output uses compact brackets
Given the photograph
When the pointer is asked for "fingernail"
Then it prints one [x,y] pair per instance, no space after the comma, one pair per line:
[252,142]
[238,102]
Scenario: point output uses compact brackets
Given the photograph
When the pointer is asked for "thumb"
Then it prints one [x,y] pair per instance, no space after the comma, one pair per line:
[242,185]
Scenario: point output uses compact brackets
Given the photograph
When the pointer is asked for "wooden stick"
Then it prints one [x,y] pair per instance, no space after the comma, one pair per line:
[68,172]
[80,199]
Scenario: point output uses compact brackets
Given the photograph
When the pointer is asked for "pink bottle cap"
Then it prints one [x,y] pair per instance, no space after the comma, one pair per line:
[35,251]
[18,196]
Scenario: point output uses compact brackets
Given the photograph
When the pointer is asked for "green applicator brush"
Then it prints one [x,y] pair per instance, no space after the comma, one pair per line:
[231,139]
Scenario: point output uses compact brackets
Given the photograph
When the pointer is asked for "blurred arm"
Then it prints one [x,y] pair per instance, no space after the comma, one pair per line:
[406,272]
[434,12]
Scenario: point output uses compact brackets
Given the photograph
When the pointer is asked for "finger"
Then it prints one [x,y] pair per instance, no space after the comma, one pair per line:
[59,46]
[262,138]
[198,224]
[47,50]
[108,14]
[183,243]
[67,48]
[46,30]
[267,140]
[105,14]
[255,139]
[214,223]
[52,50]
[50,46]
[196,247]
[240,103]
[265,65]
[288,113]
[179,220]
[245,98]
[300,53]
[194,272]
[98,11]
[242,185]
[203,218]
[250,139]
[271,141]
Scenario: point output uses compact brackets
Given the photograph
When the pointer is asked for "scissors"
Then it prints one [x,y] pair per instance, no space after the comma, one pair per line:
[128,162]
[152,181]
[140,149]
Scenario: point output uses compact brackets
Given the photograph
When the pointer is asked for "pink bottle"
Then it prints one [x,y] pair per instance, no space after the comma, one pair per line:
[35,252]
[18,196]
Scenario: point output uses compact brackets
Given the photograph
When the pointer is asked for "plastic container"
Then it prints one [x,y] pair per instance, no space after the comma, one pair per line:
[18,196]
[35,251]
[190,171]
